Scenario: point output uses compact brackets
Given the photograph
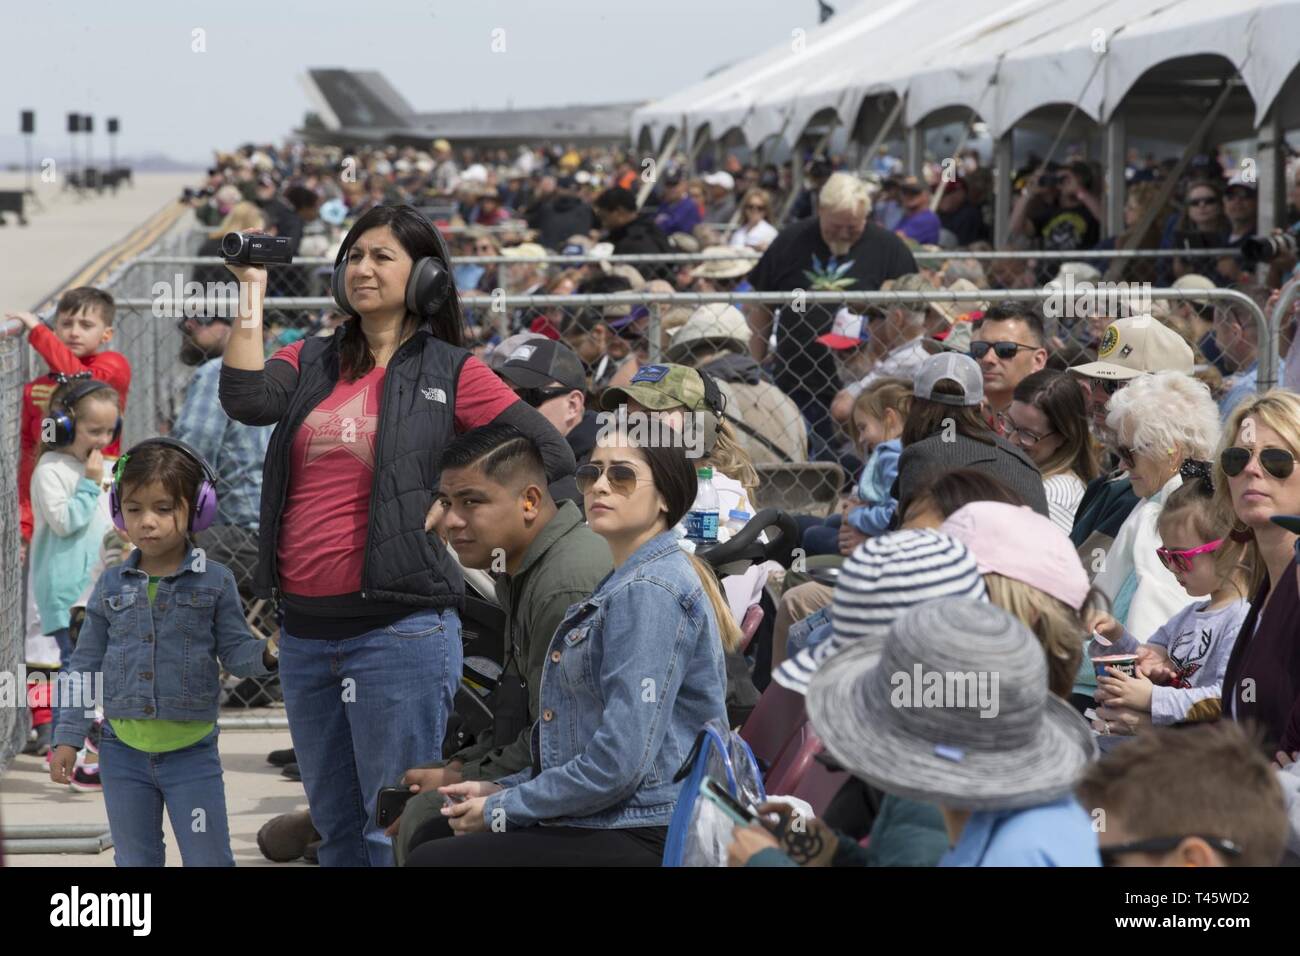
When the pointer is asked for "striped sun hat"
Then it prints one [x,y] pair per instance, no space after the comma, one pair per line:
[884,577]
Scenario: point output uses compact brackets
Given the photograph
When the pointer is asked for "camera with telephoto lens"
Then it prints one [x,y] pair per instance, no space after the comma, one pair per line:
[256,250]
[1268,248]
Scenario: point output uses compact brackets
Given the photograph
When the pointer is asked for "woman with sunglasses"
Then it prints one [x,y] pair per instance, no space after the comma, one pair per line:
[1202,225]
[1183,662]
[632,675]
[1160,420]
[1048,420]
[1256,480]
[755,232]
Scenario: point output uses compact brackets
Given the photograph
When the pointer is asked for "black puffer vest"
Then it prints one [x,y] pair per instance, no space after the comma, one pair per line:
[403,564]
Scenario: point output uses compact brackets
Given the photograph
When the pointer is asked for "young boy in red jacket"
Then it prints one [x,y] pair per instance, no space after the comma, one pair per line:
[83,326]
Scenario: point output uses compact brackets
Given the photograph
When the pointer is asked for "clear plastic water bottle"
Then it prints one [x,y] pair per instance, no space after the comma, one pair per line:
[737,518]
[702,519]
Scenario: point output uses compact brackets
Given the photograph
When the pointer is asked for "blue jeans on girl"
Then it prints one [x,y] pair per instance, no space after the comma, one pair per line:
[137,785]
[362,712]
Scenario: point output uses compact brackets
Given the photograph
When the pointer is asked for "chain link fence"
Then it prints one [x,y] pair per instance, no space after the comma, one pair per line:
[790,412]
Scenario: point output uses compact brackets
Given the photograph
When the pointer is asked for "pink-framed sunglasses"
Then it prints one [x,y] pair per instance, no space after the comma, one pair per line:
[1182,560]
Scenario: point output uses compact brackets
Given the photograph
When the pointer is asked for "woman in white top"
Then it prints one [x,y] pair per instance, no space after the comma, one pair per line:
[1048,419]
[755,231]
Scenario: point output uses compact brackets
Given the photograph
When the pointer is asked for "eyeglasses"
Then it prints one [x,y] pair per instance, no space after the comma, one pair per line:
[1025,438]
[1127,456]
[1003,350]
[751,207]
[1176,560]
[1203,201]
[1110,854]
[1278,462]
[537,396]
[623,479]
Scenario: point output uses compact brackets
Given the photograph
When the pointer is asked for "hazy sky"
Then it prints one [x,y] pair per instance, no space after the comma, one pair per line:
[134,59]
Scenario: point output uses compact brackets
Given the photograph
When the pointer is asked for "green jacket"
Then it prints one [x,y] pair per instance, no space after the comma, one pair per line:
[561,567]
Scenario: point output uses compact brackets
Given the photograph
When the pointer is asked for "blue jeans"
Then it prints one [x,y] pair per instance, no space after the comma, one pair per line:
[137,785]
[362,712]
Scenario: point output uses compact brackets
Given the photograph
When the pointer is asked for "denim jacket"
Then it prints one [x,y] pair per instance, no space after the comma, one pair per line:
[159,662]
[631,675]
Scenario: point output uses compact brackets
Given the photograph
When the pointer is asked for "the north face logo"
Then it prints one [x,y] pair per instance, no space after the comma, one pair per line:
[434,394]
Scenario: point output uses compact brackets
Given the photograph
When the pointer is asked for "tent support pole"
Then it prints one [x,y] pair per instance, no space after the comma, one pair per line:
[1116,184]
[882,134]
[1271,173]
[1002,187]
[915,148]
[956,153]
[664,156]
[1116,267]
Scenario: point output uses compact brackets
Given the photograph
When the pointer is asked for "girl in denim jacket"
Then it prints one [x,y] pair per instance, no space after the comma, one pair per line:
[154,631]
[631,676]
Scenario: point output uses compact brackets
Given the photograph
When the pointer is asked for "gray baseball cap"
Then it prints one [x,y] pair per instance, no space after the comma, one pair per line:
[951,366]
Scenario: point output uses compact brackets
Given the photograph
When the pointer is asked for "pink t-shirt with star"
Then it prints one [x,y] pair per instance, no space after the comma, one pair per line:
[331,466]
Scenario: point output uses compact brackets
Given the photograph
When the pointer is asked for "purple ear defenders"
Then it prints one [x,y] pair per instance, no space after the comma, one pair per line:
[204,511]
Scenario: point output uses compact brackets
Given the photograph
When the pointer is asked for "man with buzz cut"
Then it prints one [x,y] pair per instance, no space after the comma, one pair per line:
[494,509]
[495,504]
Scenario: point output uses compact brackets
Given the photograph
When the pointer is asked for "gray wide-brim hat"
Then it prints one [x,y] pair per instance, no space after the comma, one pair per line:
[1032,750]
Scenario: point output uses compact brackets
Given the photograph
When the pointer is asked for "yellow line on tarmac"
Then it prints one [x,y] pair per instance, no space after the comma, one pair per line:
[135,242]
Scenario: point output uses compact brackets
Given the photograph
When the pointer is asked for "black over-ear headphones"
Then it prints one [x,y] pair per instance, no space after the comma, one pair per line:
[713,396]
[63,415]
[426,289]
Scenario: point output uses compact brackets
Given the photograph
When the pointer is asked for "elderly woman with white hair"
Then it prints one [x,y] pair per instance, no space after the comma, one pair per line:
[1160,421]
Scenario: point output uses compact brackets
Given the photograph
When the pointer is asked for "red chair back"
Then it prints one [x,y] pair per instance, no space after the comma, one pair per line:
[772,723]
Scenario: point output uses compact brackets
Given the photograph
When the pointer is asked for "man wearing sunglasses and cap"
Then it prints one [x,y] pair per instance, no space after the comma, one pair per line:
[549,376]
[1129,348]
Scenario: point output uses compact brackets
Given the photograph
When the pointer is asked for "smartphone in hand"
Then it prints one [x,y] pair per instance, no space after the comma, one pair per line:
[390,804]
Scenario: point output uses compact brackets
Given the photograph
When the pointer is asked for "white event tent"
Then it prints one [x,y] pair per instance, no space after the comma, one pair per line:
[1174,69]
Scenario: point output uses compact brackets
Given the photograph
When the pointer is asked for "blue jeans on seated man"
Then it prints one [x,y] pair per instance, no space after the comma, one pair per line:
[363,711]
[188,782]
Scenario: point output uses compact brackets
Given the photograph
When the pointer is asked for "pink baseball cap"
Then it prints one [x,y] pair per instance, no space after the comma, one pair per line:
[1019,543]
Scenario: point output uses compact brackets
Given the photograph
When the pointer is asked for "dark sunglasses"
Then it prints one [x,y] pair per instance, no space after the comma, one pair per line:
[1278,462]
[755,207]
[537,396]
[1110,854]
[1003,350]
[1108,385]
[1126,456]
[622,479]
[1203,201]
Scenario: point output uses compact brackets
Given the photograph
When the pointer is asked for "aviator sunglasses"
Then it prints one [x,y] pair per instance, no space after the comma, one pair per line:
[623,479]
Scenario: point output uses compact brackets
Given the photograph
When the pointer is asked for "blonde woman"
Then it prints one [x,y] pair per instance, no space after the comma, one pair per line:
[1255,478]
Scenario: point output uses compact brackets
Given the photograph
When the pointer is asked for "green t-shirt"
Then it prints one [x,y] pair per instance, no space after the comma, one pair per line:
[160,736]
